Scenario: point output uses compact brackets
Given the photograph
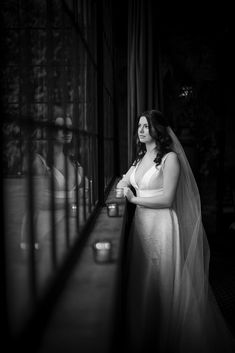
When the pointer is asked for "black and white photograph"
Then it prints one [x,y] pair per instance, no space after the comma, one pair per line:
[117,176]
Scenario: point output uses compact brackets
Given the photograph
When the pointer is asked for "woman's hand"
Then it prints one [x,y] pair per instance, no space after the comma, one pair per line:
[129,194]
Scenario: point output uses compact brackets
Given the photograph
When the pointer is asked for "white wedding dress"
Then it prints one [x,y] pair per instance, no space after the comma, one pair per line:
[167,309]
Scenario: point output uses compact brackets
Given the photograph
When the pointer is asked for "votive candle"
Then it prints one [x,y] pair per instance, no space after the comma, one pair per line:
[112,209]
[102,250]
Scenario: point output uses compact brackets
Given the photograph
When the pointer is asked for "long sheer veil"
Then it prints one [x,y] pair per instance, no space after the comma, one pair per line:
[196,304]
[195,252]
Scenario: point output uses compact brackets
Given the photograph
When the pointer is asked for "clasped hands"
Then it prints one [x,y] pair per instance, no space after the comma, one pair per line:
[128,194]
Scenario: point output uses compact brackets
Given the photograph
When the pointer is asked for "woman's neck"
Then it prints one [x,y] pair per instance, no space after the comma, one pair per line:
[151,148]
[58,149]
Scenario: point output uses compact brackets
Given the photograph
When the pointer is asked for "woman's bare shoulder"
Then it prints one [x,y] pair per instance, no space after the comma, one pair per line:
[171,159]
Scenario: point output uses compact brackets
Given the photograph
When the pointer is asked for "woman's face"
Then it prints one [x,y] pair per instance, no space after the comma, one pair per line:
[143,131]
[62,135]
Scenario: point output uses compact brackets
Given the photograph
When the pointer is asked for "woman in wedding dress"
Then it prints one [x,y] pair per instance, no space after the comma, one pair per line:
[170,306]
[68,176]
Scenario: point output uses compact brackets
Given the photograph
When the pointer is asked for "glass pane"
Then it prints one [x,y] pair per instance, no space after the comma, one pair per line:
[11,84]
[69,111]
[39,111]
[11,130]
[39,84]
[31,91]
[67,15]
[69,83]
[57,13]
[11,111]
[57,92]
[12,156]
[38,47]
[69,47]
[108,157]
[11,47]
[81,116]
[19,295]
[9,10]
[58,49]
[91,97]
[33,13]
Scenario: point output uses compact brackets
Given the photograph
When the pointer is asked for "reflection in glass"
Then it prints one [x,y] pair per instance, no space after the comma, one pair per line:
[12,49]
[38,46]
[39,86]
[33,13]
[49,196]
[60,191]
[11,86]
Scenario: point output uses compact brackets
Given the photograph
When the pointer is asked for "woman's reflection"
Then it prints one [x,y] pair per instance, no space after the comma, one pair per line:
[65,166]
[68,177]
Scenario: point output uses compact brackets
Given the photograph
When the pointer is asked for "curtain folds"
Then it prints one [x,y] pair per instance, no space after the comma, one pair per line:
[144,86]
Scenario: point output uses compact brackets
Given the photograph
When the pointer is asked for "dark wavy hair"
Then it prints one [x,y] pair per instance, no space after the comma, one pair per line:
[158,130]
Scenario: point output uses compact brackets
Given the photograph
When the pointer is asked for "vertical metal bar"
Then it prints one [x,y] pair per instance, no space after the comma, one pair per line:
[77,197]
[66,161]
[75,64]
[4,298]
[115,123]
[100,103]
[84,189]
[64,103]
[51,132]
[89,175]
[31,207]
[78,186]
[31,230]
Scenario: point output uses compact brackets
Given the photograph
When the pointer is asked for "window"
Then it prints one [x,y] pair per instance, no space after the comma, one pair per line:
[52,70]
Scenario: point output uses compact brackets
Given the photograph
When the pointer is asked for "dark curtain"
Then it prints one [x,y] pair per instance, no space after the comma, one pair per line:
[144,84]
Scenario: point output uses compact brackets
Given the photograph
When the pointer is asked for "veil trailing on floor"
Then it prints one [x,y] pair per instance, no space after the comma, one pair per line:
[195,305]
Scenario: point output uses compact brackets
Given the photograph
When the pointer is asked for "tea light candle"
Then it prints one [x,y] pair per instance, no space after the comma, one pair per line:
[112,209]
[119,192]
[102,251]
[73,210]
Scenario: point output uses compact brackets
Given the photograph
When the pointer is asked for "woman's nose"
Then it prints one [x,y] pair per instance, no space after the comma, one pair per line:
[141,129]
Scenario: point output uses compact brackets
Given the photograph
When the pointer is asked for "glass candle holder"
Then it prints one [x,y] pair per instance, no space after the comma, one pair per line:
[119,192]
[102,251]
[112,209]
[73,210]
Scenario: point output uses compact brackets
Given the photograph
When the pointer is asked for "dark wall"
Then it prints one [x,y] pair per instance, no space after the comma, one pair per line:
[198,85]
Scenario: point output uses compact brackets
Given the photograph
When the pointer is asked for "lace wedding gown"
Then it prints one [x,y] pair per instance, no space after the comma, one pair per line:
[167,310]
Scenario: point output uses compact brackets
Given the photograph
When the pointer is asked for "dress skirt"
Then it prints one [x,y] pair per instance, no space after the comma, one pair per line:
[163,313]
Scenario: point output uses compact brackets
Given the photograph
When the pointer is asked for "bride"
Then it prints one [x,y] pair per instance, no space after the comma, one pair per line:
[170,305]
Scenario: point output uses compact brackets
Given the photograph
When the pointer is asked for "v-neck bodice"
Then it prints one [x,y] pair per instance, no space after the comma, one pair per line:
[145,178]
[151,182]
[60,185]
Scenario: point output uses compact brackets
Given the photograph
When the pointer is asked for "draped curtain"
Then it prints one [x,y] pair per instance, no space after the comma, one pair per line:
[144,86]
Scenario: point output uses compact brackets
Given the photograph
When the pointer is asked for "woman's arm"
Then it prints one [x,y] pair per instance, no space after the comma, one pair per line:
[171,172]
[39,166]
[125,181]
[80,176]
